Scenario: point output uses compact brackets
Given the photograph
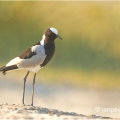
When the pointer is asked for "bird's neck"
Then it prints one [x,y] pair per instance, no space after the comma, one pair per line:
[47,40]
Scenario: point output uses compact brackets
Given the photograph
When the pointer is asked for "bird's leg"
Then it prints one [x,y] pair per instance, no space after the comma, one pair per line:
[33,88]
[24,86]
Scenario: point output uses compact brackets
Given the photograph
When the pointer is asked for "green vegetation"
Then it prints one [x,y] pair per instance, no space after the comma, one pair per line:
[88,55]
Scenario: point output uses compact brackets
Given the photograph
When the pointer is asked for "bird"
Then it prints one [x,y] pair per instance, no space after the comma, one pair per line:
[34,58]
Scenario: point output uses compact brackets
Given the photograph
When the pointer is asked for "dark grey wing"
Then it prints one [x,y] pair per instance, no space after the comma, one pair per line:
[28,53]
[7,68]
[49,51]
[38,43]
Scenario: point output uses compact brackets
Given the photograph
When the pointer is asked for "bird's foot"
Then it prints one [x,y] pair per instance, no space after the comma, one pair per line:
[23,104]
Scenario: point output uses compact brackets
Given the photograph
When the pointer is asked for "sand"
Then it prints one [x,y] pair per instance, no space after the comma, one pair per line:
[17,111]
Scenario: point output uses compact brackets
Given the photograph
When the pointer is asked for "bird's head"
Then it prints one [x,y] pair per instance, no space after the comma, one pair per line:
[52,33]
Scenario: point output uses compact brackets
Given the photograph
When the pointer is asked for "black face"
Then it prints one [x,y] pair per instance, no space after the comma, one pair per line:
[49,33]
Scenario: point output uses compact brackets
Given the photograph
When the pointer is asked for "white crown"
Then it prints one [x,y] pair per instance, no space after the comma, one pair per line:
[54,30]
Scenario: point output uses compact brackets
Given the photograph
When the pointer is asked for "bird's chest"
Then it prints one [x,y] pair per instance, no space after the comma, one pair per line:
[49,49]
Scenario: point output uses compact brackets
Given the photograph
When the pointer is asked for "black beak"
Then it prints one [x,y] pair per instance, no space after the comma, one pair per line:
[59,37]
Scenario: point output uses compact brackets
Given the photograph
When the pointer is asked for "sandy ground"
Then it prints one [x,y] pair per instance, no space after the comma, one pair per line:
[36,112]
[53,101]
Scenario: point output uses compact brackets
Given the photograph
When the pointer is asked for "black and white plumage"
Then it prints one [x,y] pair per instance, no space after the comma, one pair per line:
[34,58]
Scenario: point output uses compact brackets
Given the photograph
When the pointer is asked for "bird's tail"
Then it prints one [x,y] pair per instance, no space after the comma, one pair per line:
[7,68]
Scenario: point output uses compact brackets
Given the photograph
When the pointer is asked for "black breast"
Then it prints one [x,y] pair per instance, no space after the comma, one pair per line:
[49,51]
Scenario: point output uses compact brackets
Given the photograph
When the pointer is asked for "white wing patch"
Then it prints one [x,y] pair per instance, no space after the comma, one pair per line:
[14,61]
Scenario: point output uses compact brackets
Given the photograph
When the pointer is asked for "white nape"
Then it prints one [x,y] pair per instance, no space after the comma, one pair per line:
[42,41]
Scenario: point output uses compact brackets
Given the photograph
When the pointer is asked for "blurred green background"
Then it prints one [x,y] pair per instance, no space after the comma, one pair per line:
[88,55]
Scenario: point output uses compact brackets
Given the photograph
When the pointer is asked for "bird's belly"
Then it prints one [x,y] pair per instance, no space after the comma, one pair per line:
[32,62]
[34,69]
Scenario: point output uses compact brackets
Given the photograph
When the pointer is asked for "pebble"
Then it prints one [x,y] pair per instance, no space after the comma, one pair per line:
[51,112]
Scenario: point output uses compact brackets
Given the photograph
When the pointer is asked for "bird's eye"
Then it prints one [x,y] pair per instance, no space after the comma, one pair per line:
[51,32]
